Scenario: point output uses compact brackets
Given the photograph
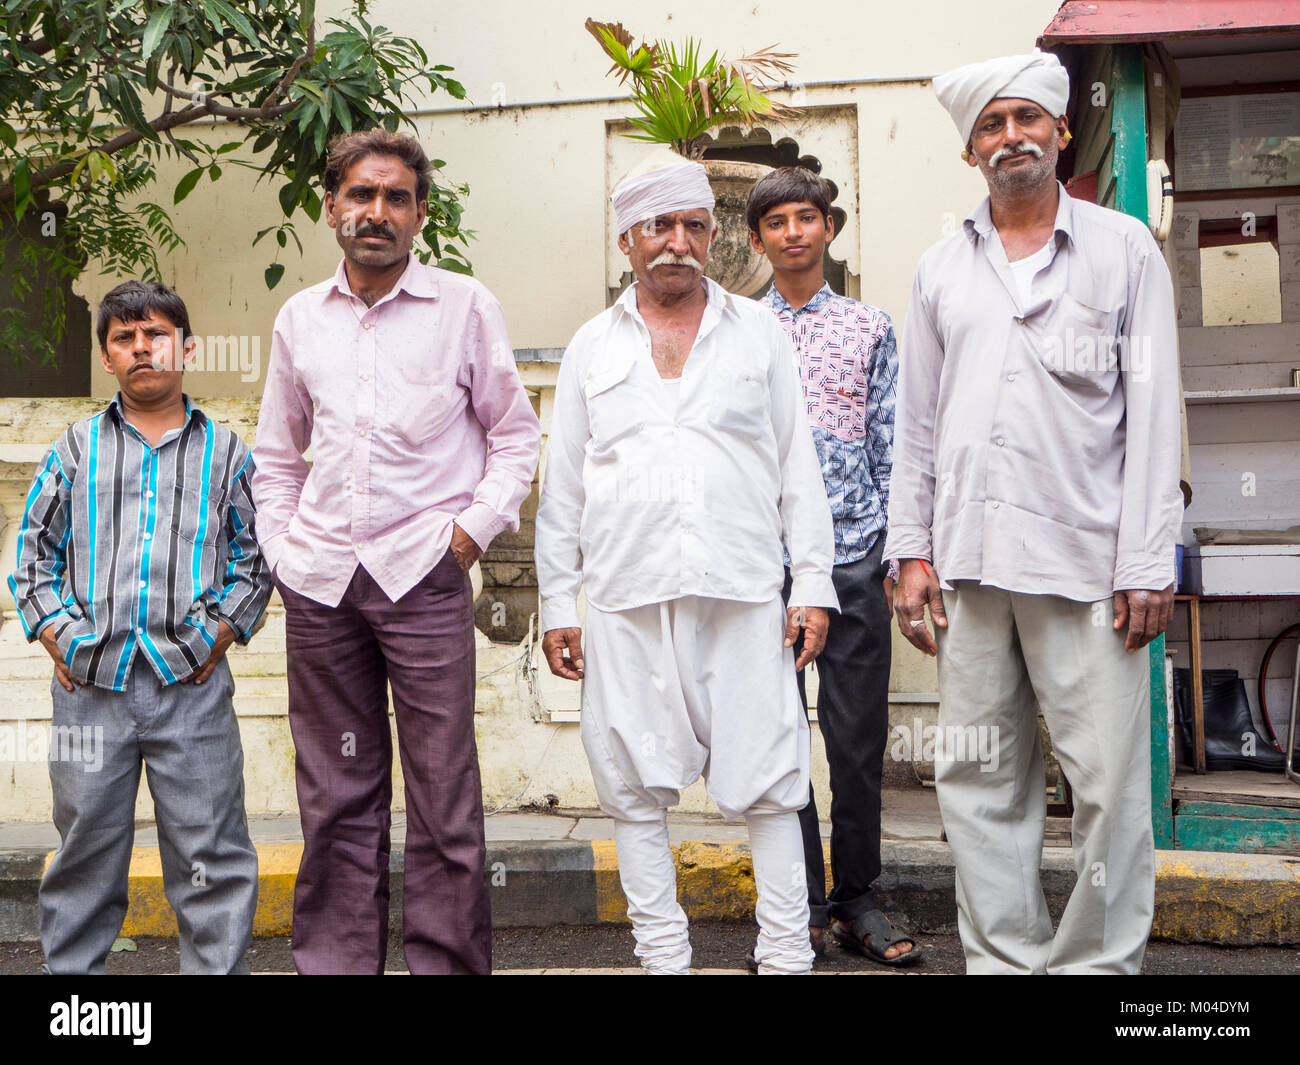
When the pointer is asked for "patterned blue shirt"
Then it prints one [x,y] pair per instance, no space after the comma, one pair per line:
[848,362]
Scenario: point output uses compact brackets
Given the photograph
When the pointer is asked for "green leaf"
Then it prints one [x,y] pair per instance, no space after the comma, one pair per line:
[154,29]
[311,205]
[289,197]
[9,135]
[214,171]
[218,11]
[310,87]
[273,274]
[133,112]
[280,238]
[262,232]
[341,111]
[186,184]
[22,187]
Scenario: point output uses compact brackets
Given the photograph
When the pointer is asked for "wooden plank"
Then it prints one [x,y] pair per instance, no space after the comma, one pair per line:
[1198,690]
[1253,836]
[1188,808]
[1244,786]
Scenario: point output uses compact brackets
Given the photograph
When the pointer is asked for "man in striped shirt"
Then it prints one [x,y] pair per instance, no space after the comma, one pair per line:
[138,567]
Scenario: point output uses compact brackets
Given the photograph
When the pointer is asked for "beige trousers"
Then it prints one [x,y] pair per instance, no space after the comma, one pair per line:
[1003,656]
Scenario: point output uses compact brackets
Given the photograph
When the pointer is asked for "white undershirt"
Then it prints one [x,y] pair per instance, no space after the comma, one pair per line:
[673,387]
[1023,270]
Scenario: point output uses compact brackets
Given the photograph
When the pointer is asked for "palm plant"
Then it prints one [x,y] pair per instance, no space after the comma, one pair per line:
[681,95]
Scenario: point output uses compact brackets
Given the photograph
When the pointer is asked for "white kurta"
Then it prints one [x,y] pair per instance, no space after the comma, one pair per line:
[670,504]
[646,500]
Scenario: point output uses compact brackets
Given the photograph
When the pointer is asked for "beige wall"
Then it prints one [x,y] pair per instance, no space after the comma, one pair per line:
[538,174]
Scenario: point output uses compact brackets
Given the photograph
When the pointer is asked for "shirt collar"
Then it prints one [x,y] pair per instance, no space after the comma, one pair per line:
[416,280]
[980,220]
[719,300]
[818,302]
[115,408]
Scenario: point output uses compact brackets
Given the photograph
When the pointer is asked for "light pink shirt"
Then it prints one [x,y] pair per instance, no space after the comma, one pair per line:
[415,416]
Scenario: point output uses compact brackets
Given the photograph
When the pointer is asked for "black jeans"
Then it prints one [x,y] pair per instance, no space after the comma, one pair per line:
[853,716]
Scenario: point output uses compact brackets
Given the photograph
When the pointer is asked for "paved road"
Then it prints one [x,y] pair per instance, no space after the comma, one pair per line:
[717,945]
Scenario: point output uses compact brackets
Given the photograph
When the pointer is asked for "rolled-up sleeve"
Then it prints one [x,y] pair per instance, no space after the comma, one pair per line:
[37,583]
[247,585]
[912,477]
[1151,503]
[513,435]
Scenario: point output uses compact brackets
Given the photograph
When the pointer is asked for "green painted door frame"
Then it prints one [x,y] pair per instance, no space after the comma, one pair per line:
[1128,123]
[1197,825]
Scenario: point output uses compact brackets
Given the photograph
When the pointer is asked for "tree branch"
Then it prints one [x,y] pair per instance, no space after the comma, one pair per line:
[44,177]
[290,74]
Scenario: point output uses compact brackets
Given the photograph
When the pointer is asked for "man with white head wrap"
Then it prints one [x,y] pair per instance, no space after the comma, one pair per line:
[1036,458]
[679,461]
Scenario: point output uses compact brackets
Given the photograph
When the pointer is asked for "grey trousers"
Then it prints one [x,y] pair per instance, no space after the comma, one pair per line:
[188,739]
[1002,657]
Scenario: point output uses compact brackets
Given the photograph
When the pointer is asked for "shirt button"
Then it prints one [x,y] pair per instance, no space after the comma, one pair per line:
[361,432]
[1011,377]
[1000,442]
[148,536]
[148,495]
[367,325]
[1020,320]
[995,506]
[142,584]
[365,377]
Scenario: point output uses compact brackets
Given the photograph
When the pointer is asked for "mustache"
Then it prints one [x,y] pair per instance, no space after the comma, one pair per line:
[1017,149]
[669,259]
[374,231]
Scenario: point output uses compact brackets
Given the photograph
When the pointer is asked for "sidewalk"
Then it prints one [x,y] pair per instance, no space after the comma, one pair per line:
[560,867]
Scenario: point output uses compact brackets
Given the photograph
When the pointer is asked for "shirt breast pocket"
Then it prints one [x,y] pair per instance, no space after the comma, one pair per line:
[426,408]
[615,406]
[740,403]
[198,531]
[196,516]
[1080,348]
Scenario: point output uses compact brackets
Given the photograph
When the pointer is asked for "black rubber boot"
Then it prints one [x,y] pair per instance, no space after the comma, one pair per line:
[1231,739]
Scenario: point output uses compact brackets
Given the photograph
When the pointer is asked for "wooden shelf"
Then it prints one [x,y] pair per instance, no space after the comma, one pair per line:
[1241,395]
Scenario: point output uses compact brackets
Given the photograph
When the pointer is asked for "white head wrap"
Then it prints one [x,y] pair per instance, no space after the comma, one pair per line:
[664,182]
[966,91]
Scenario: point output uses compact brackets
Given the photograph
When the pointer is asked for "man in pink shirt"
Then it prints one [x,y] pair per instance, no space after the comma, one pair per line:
[401,380]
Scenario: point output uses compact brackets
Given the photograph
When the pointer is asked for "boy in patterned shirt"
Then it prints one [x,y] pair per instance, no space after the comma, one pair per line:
[848,364]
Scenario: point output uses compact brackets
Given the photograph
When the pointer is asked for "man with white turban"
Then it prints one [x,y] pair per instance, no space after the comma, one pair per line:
[1034,507]
[679,460]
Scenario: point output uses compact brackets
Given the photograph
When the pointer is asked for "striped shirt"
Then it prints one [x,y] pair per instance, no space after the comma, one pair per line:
[129,546]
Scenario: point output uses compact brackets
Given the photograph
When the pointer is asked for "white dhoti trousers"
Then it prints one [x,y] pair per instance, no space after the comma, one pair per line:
[698,686]
[1002,657]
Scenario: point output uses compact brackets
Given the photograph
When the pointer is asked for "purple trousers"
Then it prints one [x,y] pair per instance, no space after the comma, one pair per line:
[340,663]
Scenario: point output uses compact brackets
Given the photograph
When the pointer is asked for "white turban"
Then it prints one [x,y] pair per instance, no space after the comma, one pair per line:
[662,184]
[966,91]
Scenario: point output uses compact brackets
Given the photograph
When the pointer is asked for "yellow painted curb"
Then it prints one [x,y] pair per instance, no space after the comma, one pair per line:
[611,903]
[1262,906]
[150,914]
